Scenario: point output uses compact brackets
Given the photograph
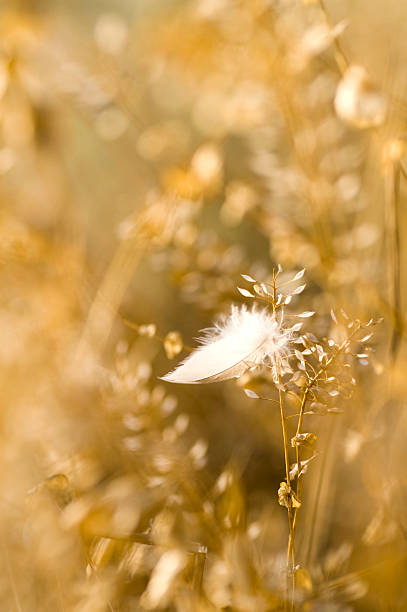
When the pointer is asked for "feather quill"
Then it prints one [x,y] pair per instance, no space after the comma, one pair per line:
[245,339]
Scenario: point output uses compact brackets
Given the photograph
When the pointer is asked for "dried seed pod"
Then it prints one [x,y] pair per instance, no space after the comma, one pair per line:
[245,292]
[147,330]
[358,101]
[304,439]
[287,497]
[173,344]
[251,394]
[304,465]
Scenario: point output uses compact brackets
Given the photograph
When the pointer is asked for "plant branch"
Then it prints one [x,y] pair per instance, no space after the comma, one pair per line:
[304,399]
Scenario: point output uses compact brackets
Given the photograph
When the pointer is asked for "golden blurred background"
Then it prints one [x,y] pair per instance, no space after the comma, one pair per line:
[151,152]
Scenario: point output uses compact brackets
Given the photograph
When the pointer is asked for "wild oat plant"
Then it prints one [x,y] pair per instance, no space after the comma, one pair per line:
[312,372]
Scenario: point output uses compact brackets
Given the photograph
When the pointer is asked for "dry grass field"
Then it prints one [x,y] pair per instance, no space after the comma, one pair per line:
[169,166]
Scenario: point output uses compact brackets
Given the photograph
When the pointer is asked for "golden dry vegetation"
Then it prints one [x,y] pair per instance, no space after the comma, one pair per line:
[152,152]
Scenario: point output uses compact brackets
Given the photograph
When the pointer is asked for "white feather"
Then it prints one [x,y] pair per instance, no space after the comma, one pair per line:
[246,338]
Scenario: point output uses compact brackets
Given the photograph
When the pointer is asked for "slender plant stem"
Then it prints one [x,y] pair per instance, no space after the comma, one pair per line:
[298,453]
[340,56]
[392,186]
[290,547]
[289,599]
